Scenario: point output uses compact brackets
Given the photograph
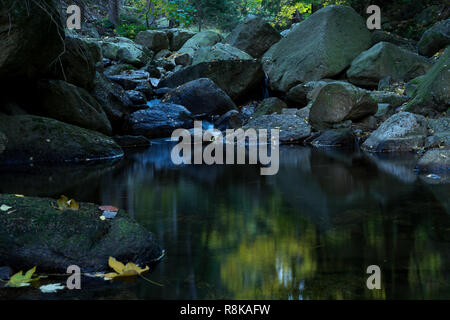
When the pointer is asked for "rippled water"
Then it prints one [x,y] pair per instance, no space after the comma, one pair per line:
[309,232]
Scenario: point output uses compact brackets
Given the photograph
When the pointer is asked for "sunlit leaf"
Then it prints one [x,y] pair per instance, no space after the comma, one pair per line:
[20,280]
[128,270]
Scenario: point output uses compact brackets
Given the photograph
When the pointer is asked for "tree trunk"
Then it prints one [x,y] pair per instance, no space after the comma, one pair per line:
[113,11]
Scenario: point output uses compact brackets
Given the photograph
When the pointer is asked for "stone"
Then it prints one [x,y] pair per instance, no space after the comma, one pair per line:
[138,98]
[201,39]
[219,52]
[230,120]
[435,161]
[178,37]
[126,51]
[435,38]
[336,138]
[154,40]
[132,141]
[269,106]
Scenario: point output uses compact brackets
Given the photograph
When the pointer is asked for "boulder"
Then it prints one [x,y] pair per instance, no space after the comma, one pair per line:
[132,141]
[146,88]
[338,102]
[138,98]
[230,120]
[386,59]
[116,69]
[178,37]
[67,103]
[432,94]
[322,46]
[126,51]
[159,121]
[78,63]
[237,78]
[292,128]
[254,36]
[131,79]
[33,139]
[219,52]
[391,98]
[440,130]
[201,39]
[154,40]
[163,54]
[302,94]
[183,59]
[335,138]
[434,161]
[435,38]
[269,106]
[201,96]
[113,99]
[403,131]
[31,38]
[384,36]
[63,238]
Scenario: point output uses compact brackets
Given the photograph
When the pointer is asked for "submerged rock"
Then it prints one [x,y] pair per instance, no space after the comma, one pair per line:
[37,234]
[201,97]
[435,38]
[322,46]
[33,139]
[434,161]
[403,131]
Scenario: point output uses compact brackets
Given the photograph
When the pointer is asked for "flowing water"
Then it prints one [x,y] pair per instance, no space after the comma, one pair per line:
[310,232]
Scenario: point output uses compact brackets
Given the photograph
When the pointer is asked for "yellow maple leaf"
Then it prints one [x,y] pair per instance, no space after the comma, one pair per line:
[20,280]
[65,204]
[121,270]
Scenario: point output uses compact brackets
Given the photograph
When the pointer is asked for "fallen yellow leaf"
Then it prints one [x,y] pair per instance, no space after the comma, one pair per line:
[121,270]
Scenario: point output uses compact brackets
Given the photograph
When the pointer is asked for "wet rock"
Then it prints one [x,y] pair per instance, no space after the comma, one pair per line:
[247,112]
[159,121]
[385,110]
[33,139]
[118,69]
[337,138]
[435,161]
[132,141]
[138,98]
[130,79]
[67,103]
[403,131]
[338,102]
[146,88]
[154,40]
[386,59]
[61,239]
[320,47]
[435,38]
[237,78]
[201,96]
[219,52]
[230,120]
[254,36]
[269,106]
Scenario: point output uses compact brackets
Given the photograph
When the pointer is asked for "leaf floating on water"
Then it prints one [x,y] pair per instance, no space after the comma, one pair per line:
[51,288]
[433,176]
[109,214]
[103,218]
[65,204]
[121,270]
[19,195]
[5,208]
[20,280]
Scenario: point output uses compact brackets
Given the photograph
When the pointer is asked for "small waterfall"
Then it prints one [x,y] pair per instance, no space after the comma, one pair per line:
[266,87]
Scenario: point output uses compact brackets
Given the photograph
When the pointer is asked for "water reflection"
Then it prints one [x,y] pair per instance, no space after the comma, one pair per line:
[307,233]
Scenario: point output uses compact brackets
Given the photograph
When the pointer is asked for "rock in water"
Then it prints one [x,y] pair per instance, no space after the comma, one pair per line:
[321,46]
[435,38]
[338,102]
[31,37]
[403,131]
[435,161]
[201,97]
[386,59]
[65,102]
[432,95]
[33,139]
[61,239]
[237,78]
[254,36]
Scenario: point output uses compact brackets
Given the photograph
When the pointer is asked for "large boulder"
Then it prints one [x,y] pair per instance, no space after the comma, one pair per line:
[178,37]
[31,38]
[254,36]
[435,38]
[113,99]
[159,121]
[219,52]
[434,161]
[78,63]
[67,103]
[301,94]
[33,139]
[432,94]
[403,131]
[338,102]
[269,106]
[64,238]
[292,128]
[201,96]
[201,39]
[154,40]
[126,51]
[386,59]
[230,120]
[237,78]
[322,46]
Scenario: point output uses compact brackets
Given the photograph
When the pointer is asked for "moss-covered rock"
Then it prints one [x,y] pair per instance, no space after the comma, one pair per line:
[269,106]
[37,234]
[433,91]
[33,139]
[435,38]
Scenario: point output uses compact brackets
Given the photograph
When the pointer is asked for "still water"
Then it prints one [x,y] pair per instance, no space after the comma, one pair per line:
[310,232]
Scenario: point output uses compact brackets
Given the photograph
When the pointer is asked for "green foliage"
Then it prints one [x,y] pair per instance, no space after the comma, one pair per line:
[130,30]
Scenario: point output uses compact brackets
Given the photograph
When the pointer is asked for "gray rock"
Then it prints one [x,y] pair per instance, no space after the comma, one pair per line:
[269,106]
[146,88]
[162,54]
[183,59]
[338,102]
[201,96]
[67,103]
[126,51]
[322,46]
[178,37]
[219,52]
[391,98]
[435,38]
[33,139]
[230,120]
[435,161]
[153,39]
[336,138]
[129,80]
[254,36]
[116,69]
[386,59]
[138,98]
[402,132]
[201,39]
[440,129]
[383,36]
[303,93]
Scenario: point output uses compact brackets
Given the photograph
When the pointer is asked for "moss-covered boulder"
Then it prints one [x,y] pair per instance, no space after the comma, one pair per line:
[33,139]
[432,94]
[435,38]
[35,233]
[65,102]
